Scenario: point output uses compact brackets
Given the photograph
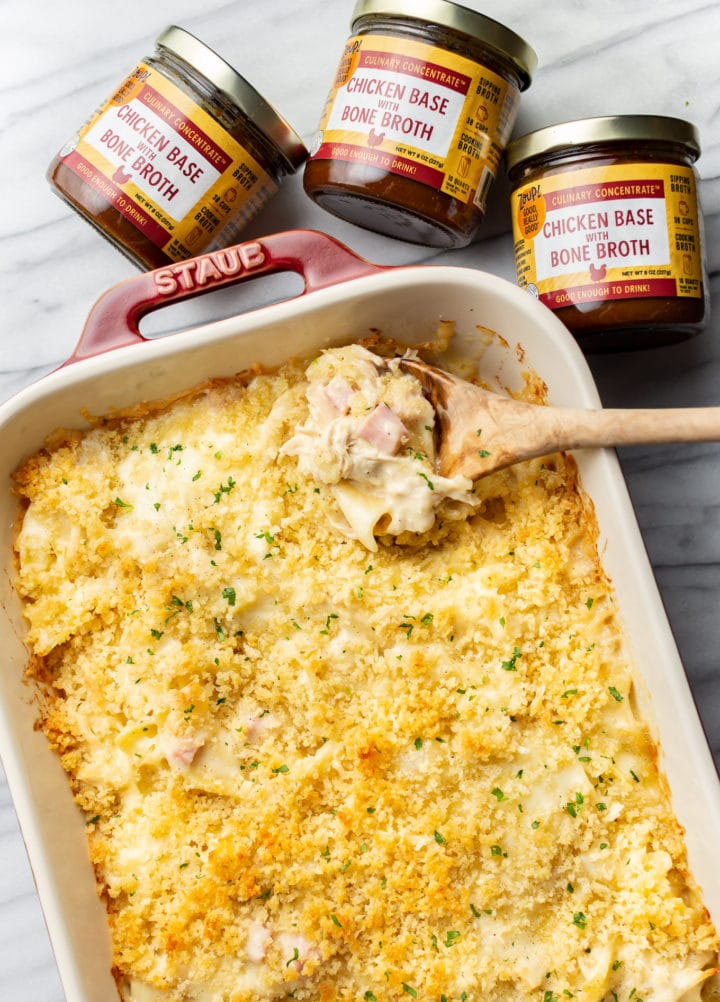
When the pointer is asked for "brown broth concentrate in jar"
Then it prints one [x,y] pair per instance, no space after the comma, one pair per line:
[418,117]
[608,231]
[179,159]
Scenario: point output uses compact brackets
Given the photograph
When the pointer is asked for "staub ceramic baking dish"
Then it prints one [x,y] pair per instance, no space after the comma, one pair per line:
[500,331]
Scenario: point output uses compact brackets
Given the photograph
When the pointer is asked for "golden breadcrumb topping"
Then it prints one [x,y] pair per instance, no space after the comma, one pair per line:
[312,771]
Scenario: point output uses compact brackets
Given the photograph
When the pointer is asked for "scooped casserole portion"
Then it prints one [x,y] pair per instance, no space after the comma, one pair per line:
[342,729]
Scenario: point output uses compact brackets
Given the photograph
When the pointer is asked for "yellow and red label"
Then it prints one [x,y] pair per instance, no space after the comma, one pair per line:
[623,231]
[420,112]
[163,162]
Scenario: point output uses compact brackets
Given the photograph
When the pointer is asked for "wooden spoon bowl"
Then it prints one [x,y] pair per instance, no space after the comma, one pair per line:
[481,431]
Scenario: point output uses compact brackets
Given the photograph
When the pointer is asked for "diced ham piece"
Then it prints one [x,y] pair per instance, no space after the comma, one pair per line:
[259,725]
[182,751]
[329,401]
[321,406]
[340,393]
[384,429]
[298,950]
[258,942]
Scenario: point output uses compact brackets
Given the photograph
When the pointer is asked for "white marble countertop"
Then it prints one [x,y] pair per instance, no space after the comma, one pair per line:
[60,61]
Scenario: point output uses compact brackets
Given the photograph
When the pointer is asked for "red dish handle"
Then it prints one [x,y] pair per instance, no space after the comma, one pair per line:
[319,259]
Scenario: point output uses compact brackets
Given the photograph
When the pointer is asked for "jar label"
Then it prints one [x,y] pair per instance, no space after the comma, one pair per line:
[163,162]
[420,112]
[624,231]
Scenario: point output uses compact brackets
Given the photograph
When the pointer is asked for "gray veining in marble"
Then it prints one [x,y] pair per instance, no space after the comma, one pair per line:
[650,56]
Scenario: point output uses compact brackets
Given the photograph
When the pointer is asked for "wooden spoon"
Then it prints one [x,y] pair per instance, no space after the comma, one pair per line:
[481,431]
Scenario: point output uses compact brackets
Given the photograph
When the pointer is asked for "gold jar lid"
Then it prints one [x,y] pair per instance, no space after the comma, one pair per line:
[224,78]
[461,19]
[604,131]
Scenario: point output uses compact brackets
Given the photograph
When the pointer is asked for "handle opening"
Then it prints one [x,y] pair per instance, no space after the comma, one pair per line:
[221,304]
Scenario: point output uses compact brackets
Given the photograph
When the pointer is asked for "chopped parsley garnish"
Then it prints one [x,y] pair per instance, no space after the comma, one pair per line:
[511,665]
[440,839]
[328,621]
[176,606]
[578,748]
[615,694]
[229,595]
[573,807]
[580,920]
[224,489]
[428,481]
[498,794]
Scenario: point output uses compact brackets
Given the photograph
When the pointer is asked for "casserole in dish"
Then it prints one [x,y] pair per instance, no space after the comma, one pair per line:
[407,305]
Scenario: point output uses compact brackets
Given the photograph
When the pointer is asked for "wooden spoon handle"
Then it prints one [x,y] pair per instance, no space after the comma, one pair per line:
[577,429]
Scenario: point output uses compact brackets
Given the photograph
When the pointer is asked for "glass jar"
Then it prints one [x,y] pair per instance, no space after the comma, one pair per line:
[420,112]
[607,228]
[179,159]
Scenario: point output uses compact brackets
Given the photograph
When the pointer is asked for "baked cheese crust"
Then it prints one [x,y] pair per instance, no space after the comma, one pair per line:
[317,772]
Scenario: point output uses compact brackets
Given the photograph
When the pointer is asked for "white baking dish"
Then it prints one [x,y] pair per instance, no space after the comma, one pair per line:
[345,298]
